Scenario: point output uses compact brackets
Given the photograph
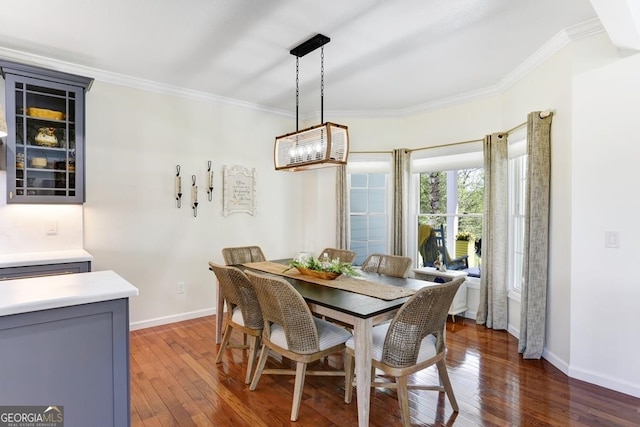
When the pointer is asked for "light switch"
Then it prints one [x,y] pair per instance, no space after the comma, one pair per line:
[611,239]
[51,227]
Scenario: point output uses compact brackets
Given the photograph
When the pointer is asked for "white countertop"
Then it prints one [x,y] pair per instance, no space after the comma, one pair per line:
[42,293]
[43,258]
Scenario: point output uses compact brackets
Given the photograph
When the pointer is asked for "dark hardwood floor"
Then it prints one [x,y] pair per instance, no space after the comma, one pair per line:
[175,382]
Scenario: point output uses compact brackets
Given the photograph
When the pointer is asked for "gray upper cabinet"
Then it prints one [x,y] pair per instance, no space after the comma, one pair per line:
[45,141]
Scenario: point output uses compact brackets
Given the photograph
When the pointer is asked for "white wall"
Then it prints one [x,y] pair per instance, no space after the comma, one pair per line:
[135,139]
[22,227]
[605,290]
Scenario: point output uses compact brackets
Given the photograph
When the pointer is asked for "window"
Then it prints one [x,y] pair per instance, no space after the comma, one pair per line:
[368,219]
[368,180]
[450,193]
[517,203]
[454,198]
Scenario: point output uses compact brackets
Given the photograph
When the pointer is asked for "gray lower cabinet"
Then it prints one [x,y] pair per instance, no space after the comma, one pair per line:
[21,272]
[76,357]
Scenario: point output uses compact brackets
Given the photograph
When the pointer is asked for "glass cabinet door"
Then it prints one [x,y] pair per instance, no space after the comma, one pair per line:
[45,148]
[45,141]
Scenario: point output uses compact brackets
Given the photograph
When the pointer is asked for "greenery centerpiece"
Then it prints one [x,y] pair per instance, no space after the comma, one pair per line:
[326,269]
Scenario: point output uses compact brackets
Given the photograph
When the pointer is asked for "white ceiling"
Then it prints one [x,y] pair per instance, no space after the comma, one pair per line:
[384,55]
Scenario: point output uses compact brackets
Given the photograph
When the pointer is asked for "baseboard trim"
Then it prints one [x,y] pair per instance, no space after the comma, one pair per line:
[611,383]
[556,361]
[158,321]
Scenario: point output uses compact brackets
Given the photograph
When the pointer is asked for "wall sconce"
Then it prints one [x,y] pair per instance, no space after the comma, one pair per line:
[194,196]
[178,190]
[209,181]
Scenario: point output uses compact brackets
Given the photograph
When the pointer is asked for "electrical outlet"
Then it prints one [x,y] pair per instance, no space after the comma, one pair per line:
[180,287]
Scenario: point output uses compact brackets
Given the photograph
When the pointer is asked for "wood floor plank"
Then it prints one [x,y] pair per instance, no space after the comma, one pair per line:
[176,382]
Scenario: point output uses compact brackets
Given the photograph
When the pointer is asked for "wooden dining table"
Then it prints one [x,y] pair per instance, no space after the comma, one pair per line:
[360,311]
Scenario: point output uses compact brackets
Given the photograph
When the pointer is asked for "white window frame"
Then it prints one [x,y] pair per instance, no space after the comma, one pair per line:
[440,159]
[368,163]
[517,182]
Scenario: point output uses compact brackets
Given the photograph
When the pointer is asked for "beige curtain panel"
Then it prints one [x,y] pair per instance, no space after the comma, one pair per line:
[492,308]
[401,171]
[342,208]
[536,236]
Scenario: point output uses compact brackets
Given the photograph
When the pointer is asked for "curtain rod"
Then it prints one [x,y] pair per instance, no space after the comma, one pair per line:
[515,128]
[370,152]
[446,145]
[543,114]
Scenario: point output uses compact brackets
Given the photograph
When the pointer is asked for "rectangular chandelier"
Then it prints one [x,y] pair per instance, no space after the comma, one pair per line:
[322,145]
[326,144]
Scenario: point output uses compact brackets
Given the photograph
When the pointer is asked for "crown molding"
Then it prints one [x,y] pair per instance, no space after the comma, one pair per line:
[562,39]
[132,82]
[553,46]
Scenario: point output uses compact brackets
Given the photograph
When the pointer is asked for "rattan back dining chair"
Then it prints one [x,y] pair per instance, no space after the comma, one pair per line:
[389,265]
[291,331]
[243,312]
[242,254]
[411,342]
[344,255]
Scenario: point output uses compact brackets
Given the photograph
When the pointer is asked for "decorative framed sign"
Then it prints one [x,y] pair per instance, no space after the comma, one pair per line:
[239,193]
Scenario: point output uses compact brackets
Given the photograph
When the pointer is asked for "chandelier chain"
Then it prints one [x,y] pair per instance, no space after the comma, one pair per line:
[297,89]
[322,84]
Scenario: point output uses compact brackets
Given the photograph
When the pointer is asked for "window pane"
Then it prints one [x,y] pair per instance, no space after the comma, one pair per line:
[361,250]
[377,180]
[377,228]
[377,201]
[433,193]
[358,180]
[471,190]
[517,192]
[379,248]
[359,227]
[358,201]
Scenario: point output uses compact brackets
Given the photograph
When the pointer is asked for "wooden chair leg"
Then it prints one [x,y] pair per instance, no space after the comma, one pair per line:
[301,369]
[224,343]
[349,369]
[403,400]
[264,353]
[446,383]
[253,354]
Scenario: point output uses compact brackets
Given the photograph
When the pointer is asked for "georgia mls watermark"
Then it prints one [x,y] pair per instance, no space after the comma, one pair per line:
[32,416]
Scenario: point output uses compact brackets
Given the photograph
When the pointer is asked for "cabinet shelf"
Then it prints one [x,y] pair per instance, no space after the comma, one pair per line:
[45,170]
[43,120]
[43,148]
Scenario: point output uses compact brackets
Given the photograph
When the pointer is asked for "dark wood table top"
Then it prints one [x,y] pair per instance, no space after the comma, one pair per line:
[357,305]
